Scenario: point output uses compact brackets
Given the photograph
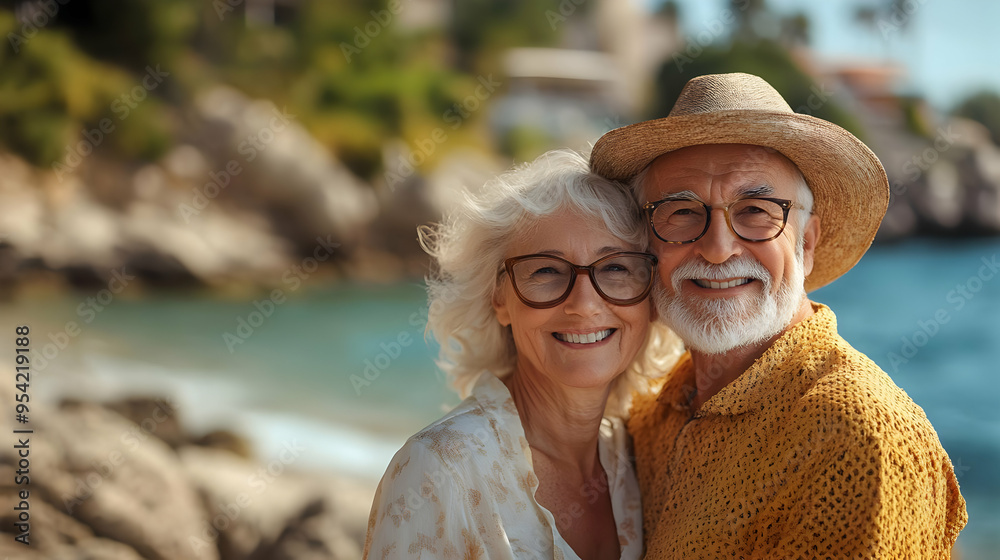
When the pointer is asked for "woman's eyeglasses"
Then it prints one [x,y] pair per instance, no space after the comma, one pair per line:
[543,281]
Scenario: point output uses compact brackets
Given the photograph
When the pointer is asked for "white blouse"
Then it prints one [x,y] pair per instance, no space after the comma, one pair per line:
[464,488]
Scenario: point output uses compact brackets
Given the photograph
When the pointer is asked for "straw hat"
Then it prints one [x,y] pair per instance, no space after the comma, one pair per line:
[849,185]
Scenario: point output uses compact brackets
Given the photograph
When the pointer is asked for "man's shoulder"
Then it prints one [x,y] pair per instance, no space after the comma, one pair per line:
[853,388]
[644,403]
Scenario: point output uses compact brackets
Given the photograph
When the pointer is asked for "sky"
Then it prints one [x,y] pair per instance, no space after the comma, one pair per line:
[950,49]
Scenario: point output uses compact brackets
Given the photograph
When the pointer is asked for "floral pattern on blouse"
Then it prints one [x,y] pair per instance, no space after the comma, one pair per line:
[464,488]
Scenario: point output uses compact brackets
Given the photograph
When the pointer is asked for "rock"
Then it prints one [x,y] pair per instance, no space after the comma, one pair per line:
[270,511]
[112,476]
[226,441]
[216,245]
[22,229]
[248,505]
[155,416]
[391,250]
[459,171]
[55,535]
[899,221]
[61,224]
[315,534]
[288,174]
[945,186]
[985,184]
[106,487]
[55,221]
[942,202]
[218,209]
[142,498]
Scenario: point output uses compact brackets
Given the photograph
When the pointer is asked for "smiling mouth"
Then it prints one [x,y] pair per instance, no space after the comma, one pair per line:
[716,285]
[589,338]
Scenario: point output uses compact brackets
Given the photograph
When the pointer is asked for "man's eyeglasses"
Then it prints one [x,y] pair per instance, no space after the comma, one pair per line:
[543,281]
[685,220]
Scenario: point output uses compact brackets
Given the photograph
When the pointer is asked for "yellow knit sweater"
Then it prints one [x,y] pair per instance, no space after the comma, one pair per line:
[813,452]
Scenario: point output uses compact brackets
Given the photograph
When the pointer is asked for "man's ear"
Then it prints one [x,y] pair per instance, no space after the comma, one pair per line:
[811,237]
[500,306]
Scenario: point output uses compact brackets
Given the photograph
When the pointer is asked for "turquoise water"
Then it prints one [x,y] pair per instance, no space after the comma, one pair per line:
[345,369]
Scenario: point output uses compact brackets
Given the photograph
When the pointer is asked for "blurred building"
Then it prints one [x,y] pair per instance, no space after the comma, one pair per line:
[599,79]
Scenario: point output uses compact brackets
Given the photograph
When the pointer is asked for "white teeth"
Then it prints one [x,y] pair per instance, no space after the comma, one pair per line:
[721,285]
[584,338]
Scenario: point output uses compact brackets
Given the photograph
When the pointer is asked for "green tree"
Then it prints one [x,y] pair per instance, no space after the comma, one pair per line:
[53,97]
[752,18]
[352,72]
[795,29]
[768,59]
[481,29]
[884,17]
[346,68]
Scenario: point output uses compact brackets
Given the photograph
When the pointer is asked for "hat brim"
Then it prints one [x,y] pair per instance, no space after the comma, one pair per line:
[849,184]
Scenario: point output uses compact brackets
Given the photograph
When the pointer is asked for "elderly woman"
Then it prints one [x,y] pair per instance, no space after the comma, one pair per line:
[540,306]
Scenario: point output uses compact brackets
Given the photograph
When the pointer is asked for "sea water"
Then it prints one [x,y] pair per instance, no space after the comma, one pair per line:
[344,371]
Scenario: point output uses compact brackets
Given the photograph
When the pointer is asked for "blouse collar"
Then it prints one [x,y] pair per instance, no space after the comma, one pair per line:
[495,399]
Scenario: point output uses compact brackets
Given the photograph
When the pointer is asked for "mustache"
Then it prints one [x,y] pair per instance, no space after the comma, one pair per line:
[741,267]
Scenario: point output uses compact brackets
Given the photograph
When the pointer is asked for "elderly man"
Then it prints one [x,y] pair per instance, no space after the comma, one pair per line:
[772,437]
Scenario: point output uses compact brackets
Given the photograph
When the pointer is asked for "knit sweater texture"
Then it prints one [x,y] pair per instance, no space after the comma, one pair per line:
[813,452]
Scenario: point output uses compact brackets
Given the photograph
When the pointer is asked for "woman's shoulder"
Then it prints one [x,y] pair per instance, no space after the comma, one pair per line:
[425,491]
[454,434]
[484,425]
[461,483]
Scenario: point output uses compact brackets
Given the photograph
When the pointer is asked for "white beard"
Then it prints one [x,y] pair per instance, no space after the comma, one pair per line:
[718,325]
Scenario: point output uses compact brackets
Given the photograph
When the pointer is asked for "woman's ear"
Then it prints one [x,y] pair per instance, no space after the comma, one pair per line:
[500,306]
